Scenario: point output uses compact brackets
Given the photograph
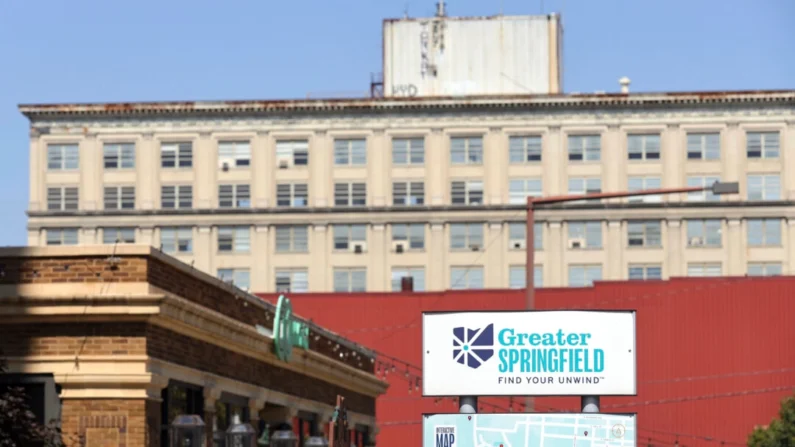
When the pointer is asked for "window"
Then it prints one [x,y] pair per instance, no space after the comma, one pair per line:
[524,149]
[176,155]
[234,154]
[63,157]
[292,195]
[350,152]
[62,198]
[176,239]
[466,236]
[350,279]
[408,151]
[466,150]
[350,194]
[762,145]
[764,187]
[408,193]
[292,280]
[466,278]
[414,234]
[62,236]
[346,235]
[641,184]
[585,235]
[119,156]
[701,196]
[585,148]
[176,197]
[643,147]
[292,238]
[703,146]
[584,186]
[234,239]
[417,274]
[234,196]
[704,233]
[644,271]
[517,277]
[764,232]
[240,278]
[644,234]
[468,192]
[292,153]
[119,197]
[517,236]
[521,189]
[764,269]
[701,269]
[584,275]
[118,235]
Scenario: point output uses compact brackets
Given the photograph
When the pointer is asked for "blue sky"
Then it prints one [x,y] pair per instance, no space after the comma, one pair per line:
[143,50]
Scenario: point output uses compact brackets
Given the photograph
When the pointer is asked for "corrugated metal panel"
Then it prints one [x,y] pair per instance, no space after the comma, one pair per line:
[478,56]
[710,351]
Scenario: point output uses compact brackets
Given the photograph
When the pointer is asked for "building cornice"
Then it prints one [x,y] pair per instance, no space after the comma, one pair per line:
[372,105]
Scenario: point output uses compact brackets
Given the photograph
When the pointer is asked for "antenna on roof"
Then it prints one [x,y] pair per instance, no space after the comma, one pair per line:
[440,12]
[406,11]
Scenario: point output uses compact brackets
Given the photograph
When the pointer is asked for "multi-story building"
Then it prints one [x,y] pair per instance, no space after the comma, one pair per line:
[351,195]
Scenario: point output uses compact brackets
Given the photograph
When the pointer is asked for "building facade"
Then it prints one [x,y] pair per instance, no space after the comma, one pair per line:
[114,343]
[351,195]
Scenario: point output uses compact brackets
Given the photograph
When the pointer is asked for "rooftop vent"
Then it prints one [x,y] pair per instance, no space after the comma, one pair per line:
[624,84]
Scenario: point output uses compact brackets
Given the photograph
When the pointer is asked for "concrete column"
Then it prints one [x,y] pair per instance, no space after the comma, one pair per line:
[614,160]
[89,236]
[146,168]
[672,152]
[496,166]
[206,158]
[146,235]
[736,251]
[261,279]
[788,160]
[555,271]
[615,252]
[34,238]
[90,173]
[202,248]
[321,188]
[789,245]
[553,153]
[36,172]
[733,157]
[438,274]
[378,165]
[319,247]
[262,157]
[378,279]
[211,395]
[674,249]
[496,270]
[437,162]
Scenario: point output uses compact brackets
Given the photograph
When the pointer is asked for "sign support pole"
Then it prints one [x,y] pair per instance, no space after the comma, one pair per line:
[590,404]
[467,404]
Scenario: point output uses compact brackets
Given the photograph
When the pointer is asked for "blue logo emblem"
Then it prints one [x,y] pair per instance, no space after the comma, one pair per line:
[473,347]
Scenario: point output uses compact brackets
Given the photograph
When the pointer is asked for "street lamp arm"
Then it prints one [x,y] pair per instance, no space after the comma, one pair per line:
[613,195]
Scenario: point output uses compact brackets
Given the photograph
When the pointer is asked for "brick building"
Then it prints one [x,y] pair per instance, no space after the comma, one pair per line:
[115,341]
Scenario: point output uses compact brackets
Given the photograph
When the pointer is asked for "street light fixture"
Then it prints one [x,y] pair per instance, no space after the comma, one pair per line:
[717,188]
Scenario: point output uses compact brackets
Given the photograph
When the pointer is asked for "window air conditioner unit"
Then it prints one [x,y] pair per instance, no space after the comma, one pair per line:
[225,163]
[359,247]
[576,243]
[518,244]
[474,247]
[399,246]
[284,163]
[696,241]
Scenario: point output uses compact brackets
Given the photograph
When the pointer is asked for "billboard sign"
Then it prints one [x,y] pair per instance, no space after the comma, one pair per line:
[529,430]
[529,353]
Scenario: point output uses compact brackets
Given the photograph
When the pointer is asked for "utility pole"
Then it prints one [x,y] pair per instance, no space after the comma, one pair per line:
[590,404]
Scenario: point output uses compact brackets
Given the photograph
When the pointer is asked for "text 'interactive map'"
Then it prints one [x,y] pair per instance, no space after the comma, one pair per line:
[529,430]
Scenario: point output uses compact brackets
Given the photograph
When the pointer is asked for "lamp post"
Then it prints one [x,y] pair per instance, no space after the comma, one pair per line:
[590,404]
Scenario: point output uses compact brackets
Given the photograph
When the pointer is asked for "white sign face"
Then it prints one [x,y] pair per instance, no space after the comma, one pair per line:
[529,430]
[529,353]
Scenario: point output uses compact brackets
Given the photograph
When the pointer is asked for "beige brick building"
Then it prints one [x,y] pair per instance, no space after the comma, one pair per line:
[351,194]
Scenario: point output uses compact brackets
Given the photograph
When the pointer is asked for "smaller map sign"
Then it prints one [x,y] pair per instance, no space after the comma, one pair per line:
[529,430]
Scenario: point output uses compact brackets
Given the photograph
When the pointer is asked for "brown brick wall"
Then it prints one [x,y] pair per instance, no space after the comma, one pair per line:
[21,340]
[77,269]
[110,423]
[182,350]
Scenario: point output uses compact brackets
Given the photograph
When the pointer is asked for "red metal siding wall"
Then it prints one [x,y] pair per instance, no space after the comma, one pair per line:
[715,356]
